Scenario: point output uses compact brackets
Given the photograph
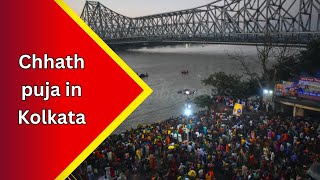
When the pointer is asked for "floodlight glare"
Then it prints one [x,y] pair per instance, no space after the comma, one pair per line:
[265,91]
[270,92]
[187,112]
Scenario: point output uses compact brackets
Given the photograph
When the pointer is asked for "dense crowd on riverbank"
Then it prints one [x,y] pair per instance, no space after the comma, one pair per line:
[257,145]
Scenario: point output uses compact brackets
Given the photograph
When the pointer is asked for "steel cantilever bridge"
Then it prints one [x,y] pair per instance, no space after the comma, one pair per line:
[222,21]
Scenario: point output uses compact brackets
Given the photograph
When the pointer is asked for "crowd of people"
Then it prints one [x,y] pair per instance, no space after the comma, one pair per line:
[210,145]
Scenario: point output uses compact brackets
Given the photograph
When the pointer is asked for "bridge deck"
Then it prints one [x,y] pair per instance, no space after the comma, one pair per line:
[285,21]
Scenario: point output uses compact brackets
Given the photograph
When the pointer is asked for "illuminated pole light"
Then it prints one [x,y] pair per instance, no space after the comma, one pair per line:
[267,94]
[187,112]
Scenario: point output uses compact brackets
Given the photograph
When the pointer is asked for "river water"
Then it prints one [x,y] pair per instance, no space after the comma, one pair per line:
[164,66]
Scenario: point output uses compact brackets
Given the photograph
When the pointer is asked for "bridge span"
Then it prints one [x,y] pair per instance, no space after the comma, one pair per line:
[222,21]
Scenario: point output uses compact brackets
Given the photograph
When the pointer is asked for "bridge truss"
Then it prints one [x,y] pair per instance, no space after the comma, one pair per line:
[233,21]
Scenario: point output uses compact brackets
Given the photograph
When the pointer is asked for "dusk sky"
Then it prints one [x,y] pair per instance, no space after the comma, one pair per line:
[134,8]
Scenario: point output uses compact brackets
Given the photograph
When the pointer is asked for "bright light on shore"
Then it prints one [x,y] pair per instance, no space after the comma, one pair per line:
[267,92]
[187,112]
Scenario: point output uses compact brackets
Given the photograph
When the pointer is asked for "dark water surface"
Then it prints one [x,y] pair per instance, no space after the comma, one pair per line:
[164,66]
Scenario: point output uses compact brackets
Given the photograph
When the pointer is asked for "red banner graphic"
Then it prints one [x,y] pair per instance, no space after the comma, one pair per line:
[55,112]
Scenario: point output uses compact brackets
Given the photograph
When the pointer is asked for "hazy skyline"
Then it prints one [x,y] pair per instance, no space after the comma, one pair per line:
[135,8]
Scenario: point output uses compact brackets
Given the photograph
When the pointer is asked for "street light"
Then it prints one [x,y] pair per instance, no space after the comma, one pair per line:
[267,94]
[187,112]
